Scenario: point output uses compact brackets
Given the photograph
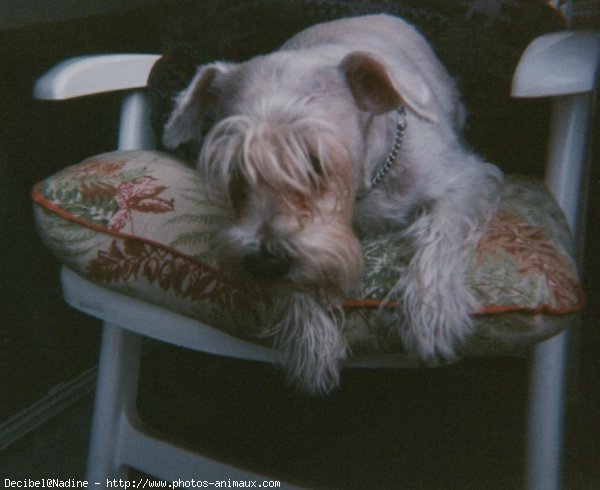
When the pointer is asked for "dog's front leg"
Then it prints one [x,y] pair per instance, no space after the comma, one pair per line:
[309,343]
[434,303]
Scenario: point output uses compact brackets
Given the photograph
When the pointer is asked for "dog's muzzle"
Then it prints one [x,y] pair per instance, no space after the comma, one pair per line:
[267,264]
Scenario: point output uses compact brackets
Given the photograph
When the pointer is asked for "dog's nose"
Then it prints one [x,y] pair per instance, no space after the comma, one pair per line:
[268,264]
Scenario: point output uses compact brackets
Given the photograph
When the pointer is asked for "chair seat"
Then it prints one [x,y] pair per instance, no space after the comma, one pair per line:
[141,223]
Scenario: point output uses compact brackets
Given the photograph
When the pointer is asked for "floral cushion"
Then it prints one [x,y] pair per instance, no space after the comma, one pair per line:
[141,223]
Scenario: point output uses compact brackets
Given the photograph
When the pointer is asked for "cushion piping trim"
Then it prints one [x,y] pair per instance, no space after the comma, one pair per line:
[43,202]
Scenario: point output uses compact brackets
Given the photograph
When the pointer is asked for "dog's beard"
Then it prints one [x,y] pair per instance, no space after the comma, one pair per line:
[307,336]
[305,327]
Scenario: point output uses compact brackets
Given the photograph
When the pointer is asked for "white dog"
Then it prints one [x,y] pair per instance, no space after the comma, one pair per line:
[351,128]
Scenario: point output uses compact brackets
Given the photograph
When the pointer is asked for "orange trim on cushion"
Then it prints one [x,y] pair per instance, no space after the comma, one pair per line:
[40,200]
[368,303]
[484,310]
[499,309]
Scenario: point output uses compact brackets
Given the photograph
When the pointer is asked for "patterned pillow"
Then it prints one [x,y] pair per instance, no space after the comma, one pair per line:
[141,223]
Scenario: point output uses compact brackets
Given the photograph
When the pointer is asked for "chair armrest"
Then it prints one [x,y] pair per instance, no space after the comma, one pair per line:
[559,63]
[564,65]
[87,75]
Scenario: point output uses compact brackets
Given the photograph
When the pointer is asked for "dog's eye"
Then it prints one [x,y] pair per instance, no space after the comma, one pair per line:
[316,165]
[238,190]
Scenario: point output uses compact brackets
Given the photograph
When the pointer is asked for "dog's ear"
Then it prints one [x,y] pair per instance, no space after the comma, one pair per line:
[375,89]
[199,98]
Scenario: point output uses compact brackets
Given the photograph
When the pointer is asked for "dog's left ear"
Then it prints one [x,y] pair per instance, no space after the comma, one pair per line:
[186,121]
[375,89]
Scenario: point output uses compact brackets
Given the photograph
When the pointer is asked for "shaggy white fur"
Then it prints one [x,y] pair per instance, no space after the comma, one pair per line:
[297,135]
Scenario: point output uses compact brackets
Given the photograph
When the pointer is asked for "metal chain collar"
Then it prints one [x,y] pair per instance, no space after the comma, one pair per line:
[393,154]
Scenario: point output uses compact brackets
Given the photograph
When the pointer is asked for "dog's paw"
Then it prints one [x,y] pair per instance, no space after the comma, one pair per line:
[433,345]
[436,343]
[436,320]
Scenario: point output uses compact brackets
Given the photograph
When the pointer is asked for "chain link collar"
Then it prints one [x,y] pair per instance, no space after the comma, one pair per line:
[392,155]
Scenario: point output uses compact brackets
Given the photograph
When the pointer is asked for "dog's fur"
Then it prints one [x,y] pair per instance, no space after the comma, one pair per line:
[295,138]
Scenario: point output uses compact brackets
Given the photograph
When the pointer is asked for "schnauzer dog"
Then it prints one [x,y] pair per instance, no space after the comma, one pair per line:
[350,129]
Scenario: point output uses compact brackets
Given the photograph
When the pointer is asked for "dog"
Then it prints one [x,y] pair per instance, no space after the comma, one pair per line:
[352,128]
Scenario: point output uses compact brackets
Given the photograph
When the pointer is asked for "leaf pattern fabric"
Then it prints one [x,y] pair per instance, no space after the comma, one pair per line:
[142,223]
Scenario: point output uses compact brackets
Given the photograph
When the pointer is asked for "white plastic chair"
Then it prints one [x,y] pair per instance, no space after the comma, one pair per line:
[560,65]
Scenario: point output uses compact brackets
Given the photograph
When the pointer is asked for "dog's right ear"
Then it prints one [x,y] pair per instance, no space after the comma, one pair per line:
[186,121]
[376,90]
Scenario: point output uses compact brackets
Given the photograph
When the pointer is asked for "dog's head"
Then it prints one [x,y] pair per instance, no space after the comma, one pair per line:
[286,143]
